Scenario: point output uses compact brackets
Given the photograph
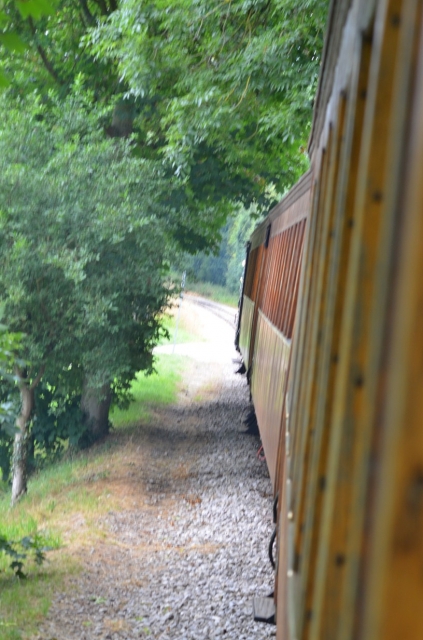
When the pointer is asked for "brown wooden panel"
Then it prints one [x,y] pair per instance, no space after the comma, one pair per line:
[285,318]
[282,277]
[318,396]
[257,274]
[395,565]
[351,508]
[293,215]
[335,518]
[271,357]
[390,578]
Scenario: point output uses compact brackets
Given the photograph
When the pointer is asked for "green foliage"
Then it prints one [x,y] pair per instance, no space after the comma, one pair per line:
[6,450]
[58,55]
[10,344]
[81,243]
[147,392]
[220,93]
[19,551]
[232,85]
[57,423]
[10,38]
[83,254]
[224,267]
[132,132]
[40,45]
[241,227]
[205,266]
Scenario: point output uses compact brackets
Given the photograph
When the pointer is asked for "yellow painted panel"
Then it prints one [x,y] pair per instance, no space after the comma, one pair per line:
[246,327]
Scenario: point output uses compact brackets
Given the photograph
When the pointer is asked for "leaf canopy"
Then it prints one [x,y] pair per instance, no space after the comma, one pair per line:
[81,243]
[232,81]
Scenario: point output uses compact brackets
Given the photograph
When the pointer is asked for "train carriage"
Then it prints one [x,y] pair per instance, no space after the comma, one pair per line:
[331,333]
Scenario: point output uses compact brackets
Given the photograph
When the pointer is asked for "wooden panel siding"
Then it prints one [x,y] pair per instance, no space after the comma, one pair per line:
[337,341]
[284,268]
[271,357]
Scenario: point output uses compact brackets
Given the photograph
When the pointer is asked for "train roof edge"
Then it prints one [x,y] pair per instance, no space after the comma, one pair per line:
[302,186]
[334,37]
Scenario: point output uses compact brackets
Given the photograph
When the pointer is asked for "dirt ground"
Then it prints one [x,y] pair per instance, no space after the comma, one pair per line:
[150,482]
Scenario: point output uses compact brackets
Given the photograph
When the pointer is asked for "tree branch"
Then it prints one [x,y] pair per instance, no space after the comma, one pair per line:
[103,6]
[87,13]
[43,55]
[19,374]
[37,380]
[23,379]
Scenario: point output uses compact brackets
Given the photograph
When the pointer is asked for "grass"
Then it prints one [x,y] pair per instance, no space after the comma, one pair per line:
[160,388]
[65,500]
[70,490]
[24,603]
[213,292]
[169,323]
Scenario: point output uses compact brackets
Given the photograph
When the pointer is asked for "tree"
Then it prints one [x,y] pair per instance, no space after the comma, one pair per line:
[134,130]
[82,244]
[58,52]
[10,37]
[221,93]
[229,85]
[240,230]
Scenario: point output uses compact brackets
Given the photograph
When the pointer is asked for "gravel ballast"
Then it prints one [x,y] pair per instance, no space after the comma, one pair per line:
[185,562]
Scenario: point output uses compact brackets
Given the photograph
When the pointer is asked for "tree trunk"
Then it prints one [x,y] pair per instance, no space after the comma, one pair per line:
[20,444]
[95,405]
[123,119]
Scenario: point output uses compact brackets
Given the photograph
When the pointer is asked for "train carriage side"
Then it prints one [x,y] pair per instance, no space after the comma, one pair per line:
[255,285]
[282,238]
[343,434]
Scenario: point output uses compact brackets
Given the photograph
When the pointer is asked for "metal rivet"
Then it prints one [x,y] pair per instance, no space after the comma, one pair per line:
[367,36]
[290,515]
[339,559]
[290,573]
[359,381]
[377,196]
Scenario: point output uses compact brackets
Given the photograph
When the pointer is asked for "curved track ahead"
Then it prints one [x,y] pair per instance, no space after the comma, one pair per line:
[223,311]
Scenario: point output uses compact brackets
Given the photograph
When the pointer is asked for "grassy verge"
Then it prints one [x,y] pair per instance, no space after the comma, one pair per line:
[64,503]
[169,323]
[25,603]
[214,292]
[160,388]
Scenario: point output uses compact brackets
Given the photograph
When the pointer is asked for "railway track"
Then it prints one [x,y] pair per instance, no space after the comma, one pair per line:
[222,311]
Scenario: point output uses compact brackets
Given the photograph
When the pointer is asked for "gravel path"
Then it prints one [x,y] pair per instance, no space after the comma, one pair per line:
[184,562]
